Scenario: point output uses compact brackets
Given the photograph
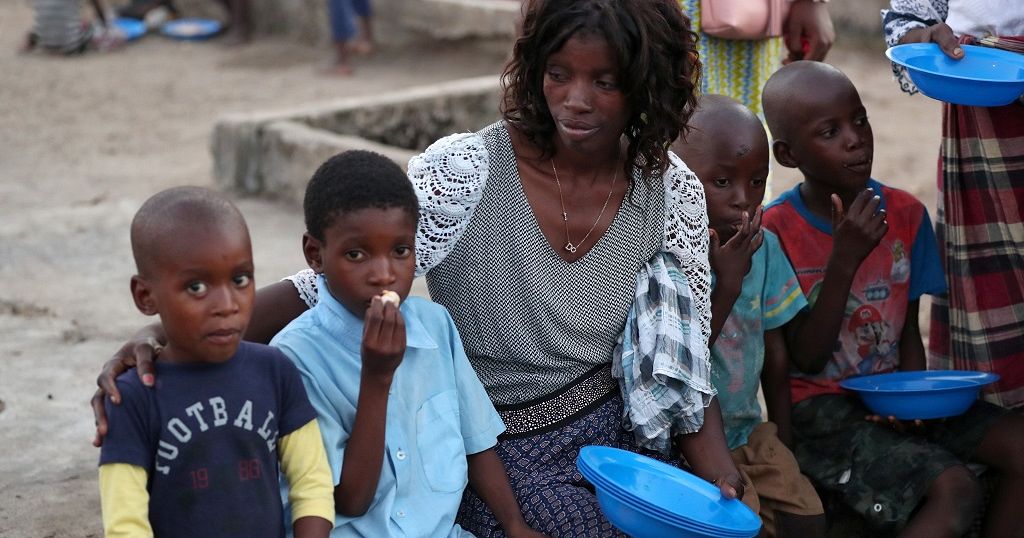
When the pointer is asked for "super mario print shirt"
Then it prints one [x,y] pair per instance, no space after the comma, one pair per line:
[207,438]
[904,266]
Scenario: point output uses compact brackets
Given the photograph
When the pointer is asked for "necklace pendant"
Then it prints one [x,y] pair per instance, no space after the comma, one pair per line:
[570,247]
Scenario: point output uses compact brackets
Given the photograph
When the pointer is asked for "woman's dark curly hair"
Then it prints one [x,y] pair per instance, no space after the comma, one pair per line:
[658,70]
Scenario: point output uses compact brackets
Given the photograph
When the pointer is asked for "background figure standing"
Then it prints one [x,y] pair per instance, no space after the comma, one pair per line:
[739,68]
[980,323]
[346,34]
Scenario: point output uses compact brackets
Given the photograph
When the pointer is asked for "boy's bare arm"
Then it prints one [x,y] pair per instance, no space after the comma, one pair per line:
[382,351]
[276,305]
[707,452]
[312,527]
[855,233]
[488,478]
[912,355]
[775,382]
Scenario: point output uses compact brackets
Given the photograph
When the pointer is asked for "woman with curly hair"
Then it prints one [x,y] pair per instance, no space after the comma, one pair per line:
[541,232]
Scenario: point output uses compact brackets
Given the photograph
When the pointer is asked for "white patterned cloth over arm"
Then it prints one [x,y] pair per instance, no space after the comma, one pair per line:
[904,16]
[686,237]
[449,178]
[664,381]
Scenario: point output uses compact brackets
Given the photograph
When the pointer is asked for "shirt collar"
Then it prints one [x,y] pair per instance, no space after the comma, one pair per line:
[333,313]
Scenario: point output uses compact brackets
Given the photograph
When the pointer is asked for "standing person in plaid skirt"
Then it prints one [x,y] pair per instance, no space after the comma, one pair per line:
[979,325]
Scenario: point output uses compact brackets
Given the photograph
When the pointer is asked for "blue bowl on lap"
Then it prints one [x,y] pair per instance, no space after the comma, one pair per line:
[983,77]
[645,497]
[919,395]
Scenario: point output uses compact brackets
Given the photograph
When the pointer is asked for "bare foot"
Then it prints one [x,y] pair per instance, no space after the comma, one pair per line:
[338,69]
[362,46]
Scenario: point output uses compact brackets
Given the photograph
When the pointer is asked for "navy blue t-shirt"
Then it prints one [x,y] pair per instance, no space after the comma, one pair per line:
[207,437]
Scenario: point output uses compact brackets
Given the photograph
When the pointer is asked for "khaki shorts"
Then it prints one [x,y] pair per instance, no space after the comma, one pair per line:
[773,478]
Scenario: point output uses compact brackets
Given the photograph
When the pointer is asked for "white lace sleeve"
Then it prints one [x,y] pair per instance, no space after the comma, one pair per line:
[686,236]
[904,16]
[449,178]
[305,284]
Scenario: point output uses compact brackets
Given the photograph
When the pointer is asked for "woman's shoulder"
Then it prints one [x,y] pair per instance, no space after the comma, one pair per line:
[684,194]
[458,157]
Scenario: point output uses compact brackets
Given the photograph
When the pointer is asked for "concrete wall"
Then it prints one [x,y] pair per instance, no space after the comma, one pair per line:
[274,153]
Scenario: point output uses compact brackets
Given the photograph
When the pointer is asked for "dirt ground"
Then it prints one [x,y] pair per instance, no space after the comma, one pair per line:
[83,141]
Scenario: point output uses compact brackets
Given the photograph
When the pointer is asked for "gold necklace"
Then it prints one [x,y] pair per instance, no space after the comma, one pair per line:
[569,246]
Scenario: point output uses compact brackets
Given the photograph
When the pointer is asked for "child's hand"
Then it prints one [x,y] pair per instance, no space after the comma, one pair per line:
[383,339]
[732,486]
[731,261]
[858,230]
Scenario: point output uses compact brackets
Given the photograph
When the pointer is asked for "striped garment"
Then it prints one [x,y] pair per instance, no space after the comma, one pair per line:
[665,383]
[738,69]
[60,26]
[980,227]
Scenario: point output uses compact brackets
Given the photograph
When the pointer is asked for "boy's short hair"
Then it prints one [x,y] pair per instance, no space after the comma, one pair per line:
[175,215]
[785,87]
[354,180]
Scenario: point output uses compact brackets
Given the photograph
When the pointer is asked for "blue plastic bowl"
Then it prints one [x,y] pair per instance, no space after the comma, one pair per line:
[984,77]
[131,28]
[623,502]
[191,29]
[919,395]
[636,486]
[639,523]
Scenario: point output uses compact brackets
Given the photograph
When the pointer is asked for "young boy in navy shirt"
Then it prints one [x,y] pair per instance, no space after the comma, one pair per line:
[200,454]
[910,481]
[405,421]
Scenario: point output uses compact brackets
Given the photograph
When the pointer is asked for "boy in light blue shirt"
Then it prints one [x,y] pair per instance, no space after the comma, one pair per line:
[404,418]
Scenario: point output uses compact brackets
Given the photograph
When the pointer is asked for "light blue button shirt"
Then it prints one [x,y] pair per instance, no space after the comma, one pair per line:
[438,412]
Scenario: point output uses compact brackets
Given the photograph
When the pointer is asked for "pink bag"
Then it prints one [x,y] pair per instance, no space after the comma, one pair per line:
[743,19]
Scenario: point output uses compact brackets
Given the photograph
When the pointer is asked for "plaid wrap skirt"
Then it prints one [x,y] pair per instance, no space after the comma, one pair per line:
[979,325]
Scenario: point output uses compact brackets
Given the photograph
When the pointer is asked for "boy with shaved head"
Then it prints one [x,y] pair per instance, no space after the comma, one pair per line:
[842,229]
[200,454]
[755,301]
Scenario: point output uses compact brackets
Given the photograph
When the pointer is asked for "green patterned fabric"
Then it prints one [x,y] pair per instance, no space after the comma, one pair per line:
[735,68]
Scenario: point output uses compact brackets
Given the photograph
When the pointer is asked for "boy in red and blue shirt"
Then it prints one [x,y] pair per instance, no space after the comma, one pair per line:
[915,483]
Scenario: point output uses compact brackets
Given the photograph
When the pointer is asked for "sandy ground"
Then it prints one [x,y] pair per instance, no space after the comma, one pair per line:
[84,141]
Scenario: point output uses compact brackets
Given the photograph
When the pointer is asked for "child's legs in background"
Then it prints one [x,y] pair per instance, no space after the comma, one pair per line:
[784,499]
[343,29]
[896,481]
[364,11]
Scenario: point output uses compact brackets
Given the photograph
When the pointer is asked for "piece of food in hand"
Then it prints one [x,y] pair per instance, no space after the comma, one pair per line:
[389,296]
